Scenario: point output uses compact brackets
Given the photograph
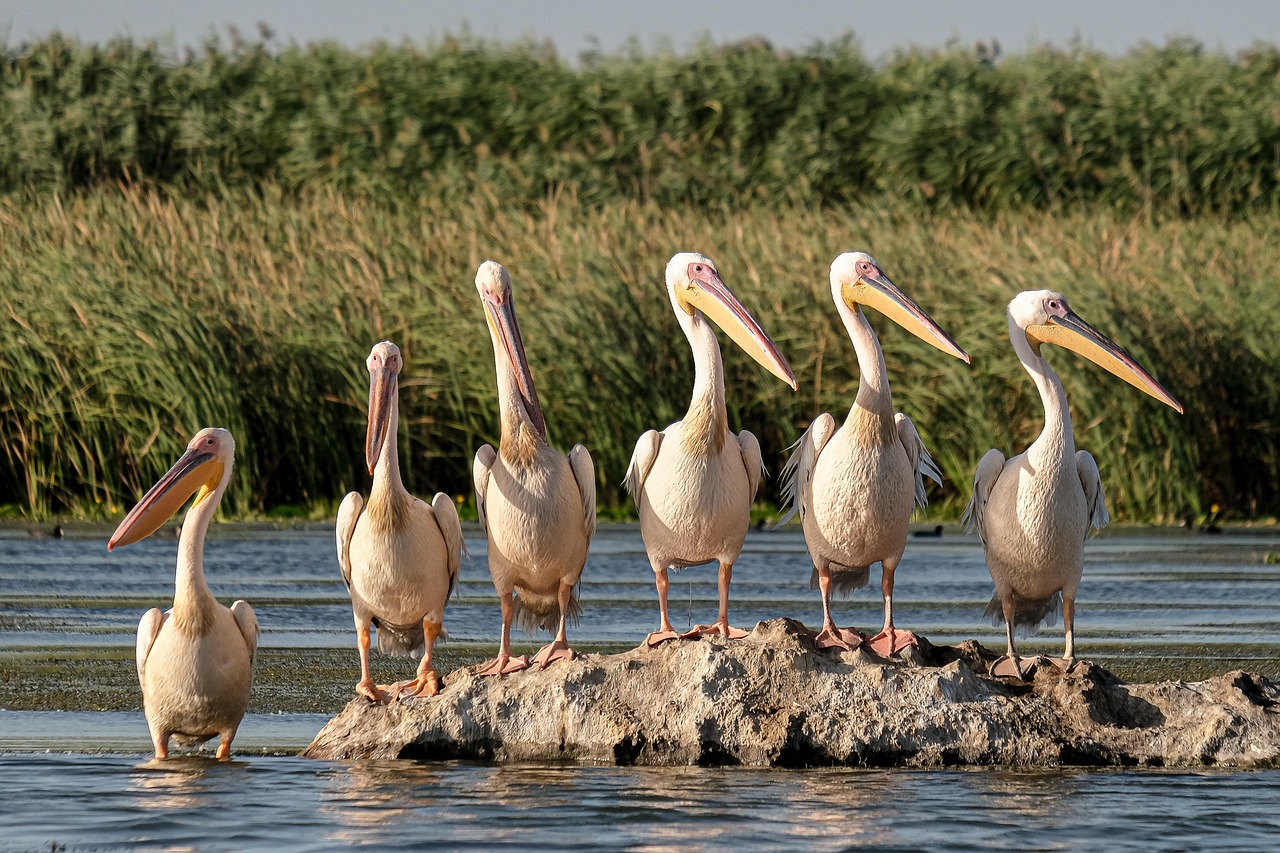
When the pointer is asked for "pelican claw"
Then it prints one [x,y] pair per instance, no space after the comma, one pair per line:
[845,639]
[557,650]
[891,641]
[426,684]
[657,638]
[504,666]
[716,629]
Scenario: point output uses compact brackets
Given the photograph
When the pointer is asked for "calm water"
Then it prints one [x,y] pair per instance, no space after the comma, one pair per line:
[81,778]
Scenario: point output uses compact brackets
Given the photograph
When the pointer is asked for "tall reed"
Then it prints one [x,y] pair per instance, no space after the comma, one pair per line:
[129,318]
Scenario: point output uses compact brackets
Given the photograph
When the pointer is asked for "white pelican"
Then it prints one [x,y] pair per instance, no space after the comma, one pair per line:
[1034,511]
[399,557]
[694,482]
[854,485]
[195,661]
[537,506]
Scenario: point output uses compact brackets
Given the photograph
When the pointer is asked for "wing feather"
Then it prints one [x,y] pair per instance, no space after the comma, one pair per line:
[348,515]
[148,630]
[642,460]
[485,457]
[1091,480]
[248,622]
[983,482]
[921,462]
[797,474]
[584,473]
[752,459]
[446,515]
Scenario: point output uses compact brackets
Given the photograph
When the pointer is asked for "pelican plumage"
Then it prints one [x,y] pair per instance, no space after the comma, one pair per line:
[1034,511]
[399,557]
[694,481]
[537,505]
[195,660]
[855,485]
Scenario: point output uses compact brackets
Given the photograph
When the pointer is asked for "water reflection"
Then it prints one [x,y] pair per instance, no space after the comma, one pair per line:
[363,797]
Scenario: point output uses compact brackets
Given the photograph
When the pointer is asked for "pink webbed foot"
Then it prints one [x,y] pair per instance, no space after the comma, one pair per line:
[504,665]
[846,639]
[715,629]
[657,638]
[552,652]
[426,684]
[373,692]
[1013,667]
[891,641]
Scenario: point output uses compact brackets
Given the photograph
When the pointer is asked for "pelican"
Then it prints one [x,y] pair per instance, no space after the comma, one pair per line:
[694,481]
[399,557]
[537,506]
[1033,512]
[195,661]
[854,485]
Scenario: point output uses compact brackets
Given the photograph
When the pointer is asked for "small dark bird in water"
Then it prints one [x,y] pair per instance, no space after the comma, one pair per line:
[935,533]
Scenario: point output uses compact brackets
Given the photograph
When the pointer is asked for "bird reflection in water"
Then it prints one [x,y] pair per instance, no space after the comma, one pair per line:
[365,796]
[180,782]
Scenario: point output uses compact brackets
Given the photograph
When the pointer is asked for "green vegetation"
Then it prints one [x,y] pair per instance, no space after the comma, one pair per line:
[131,319]
[218,238]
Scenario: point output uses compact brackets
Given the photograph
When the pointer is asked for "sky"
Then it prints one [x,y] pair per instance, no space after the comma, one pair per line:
[879,26]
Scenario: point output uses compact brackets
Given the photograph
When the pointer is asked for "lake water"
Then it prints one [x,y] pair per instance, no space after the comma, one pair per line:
[81,778]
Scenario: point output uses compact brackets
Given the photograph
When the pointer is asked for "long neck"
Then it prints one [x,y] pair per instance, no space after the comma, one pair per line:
[706,424]
[520,440]
[1055,444]
[193,602]
[872,408]
[388,496]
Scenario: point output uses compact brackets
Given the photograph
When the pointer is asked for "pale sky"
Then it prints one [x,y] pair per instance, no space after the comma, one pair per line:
[574,25]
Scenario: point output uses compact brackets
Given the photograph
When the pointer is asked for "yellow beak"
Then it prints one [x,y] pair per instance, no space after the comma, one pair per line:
[196,469]
[1075,334]
[382,392]
[506,334]
[883,295]
[709,294]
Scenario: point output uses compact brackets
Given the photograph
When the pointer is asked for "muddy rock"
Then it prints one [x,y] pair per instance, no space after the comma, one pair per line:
[772,699]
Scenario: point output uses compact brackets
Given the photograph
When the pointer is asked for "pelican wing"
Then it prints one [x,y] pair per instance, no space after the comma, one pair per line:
[348,514]
[584,473]
[921,462]
[248,622]
[798,472]
[753,460]
[983,482]
[642,462]
[446,514]
[1087,467]
[148,630]
[485,457]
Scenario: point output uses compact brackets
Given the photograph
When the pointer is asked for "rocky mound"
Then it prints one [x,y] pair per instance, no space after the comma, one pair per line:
[773,700]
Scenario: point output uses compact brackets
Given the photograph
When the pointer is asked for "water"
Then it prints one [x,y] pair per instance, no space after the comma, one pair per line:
[82,779]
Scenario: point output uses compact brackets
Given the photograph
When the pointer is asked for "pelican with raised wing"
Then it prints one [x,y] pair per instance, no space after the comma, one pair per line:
[1035,510]
[195,661]
[399,557]
[855,485]
[694,481]
[537,506]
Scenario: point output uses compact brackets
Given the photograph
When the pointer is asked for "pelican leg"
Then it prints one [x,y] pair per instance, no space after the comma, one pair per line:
[665,631]
[832,637]
[366,686]
[1069,632]
[1008,665]
[720,627]
[504,663]
[890,640]
[224,745]
[159,741]
[557,649]
[427,681]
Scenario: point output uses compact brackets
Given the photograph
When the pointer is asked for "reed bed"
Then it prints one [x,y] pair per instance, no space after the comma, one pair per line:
[130,318]
[1173,128]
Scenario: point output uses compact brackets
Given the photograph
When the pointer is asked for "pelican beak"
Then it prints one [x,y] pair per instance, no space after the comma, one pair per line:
[1073,333]
[708,293]
[880,293]
[382,392]
[501,314]
[197,469]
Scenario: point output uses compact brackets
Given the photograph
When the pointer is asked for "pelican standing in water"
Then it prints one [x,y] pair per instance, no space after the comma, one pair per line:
[854,486]
[537,506]
[195,661]
[1034,511]
[399,557]
[694,481]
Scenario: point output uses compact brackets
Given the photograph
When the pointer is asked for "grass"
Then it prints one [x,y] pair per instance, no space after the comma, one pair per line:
[129,318]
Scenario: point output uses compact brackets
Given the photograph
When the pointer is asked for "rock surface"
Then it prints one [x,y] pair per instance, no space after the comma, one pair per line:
[773,700]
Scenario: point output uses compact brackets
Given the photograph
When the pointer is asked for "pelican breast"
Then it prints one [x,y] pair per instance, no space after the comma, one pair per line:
[400,561]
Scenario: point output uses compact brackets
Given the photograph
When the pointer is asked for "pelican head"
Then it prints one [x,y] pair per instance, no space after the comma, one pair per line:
[856,279]
[694,285]
[384,363]
[494,286]
[1045,318]
[205,466]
